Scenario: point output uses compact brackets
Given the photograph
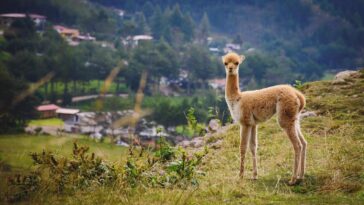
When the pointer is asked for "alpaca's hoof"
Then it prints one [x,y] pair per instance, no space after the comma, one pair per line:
[254,178]
[293,182]
[241,175]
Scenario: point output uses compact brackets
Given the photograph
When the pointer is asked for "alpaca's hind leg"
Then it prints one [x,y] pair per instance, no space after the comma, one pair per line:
[253,149]
[301,173]
[297,146]
[245,131]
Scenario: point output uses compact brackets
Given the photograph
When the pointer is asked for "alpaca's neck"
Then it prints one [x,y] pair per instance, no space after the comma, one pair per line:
[232,89]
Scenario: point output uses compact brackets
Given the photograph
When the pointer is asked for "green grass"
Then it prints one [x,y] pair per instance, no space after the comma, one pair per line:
[46,122]
[335,161]
[15,149]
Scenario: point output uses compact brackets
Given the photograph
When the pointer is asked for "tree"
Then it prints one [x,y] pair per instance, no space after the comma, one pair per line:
[21,28]
[158,23]
[142,25]
[128,27]
[148,9]
[169,62]
[188,27]
[204,29]
[13,114]
[26,65]
[238,40]
[199,65]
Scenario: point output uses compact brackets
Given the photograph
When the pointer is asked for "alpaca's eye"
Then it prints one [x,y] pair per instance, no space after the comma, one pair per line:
[226,63]
[236,63]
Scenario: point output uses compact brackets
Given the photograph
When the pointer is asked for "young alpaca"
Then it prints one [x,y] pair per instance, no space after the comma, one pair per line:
[252,107]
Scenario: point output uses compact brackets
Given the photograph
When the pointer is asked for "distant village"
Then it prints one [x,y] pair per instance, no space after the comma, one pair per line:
[100,124]
[97,125]
[74,36]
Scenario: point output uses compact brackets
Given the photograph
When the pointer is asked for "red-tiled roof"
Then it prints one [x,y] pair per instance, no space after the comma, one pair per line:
[65,30]
[219,81]
[47,107]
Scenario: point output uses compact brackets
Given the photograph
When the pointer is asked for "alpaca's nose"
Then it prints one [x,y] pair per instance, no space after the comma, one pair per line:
[230,69]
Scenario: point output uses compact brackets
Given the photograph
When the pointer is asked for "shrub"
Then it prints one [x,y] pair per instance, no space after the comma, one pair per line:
[193,125]
[298,84]
[167,166]
[58,174]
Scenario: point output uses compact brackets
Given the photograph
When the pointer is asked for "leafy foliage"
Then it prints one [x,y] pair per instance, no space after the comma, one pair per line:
[62,174]
[168,166]
[193,125]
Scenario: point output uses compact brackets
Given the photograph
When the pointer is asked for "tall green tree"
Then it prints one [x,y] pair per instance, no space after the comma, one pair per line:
[158,23]
[204,29]
[142,25]
[14,115]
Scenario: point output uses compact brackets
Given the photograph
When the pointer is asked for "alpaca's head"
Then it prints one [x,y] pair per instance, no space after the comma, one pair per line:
[232,62]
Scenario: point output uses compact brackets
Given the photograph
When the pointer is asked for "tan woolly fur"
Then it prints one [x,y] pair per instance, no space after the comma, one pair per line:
[250,108]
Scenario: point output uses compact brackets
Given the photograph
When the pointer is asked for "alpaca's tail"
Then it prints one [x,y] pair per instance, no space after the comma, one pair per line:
[302,100]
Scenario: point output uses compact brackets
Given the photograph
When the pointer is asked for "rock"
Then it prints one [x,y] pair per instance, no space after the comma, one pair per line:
[122,143]
[214,125]
[216,145]
[96,135]
[341,77]
[197,142]
[185,143]
[307,114]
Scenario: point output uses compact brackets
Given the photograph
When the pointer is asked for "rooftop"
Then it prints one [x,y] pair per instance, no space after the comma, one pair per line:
[67,111]
[65,30]
[142,37]
[47,107]
[22,15]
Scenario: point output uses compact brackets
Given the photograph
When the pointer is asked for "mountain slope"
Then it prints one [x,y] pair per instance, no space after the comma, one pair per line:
[335,158]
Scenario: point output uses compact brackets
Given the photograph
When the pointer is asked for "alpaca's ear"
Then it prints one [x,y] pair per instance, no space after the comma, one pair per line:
[222,58]
[242,58]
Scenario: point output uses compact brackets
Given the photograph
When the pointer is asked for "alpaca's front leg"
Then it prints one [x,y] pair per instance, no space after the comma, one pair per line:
[245,131]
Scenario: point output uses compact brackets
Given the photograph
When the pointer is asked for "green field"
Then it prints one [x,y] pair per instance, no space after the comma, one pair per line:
[46,122]
[15,149]
[335,159]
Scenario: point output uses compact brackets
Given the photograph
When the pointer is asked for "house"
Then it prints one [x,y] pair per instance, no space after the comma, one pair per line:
[119,12]
[217,83]
[142,38]
[8,18]
[229,47]
[73,36]
[82,122]
[47,111]
[134,40]
[67,33]
[66,114]
[86,37]
[215,51]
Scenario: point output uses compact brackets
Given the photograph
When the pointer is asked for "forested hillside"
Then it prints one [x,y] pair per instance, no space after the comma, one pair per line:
[306,37]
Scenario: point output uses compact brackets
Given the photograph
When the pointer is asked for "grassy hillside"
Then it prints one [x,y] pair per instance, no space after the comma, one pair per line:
[15,149]
[335,159]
